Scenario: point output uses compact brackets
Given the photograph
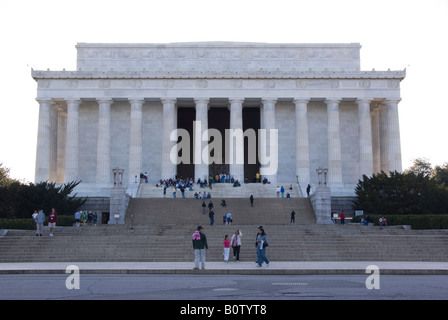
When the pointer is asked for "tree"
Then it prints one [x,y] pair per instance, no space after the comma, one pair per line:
[20,200]
[400,193]
[440,174]
[5,179]
[420,166]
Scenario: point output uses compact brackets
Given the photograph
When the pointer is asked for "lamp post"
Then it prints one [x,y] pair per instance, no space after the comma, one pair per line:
[321,171]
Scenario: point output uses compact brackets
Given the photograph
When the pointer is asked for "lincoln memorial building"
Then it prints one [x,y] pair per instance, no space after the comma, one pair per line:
[122,105]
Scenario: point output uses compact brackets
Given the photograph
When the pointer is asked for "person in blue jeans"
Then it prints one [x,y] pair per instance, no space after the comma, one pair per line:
[262,243]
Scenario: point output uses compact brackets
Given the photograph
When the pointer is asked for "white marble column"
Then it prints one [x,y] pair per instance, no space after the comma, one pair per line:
[72,141]
[393,136]
[334,144]
[136,141]
[384,158]
[269,147]
[43,151]
[103,167]
[200,166]
[62,133]
[54,143]
[365,139]
[236,156]
[302,143]
[376,140]
[169,168]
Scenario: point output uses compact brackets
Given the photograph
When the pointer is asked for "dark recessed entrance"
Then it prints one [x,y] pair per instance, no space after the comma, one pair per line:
[219,119]
[251,120]
[185,118]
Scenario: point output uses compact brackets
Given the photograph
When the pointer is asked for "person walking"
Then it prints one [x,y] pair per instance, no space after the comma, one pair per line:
[308,189]
[342,216]
[199,246]
[203,207]
[262,244]
[39,218]
[236,244]
[211,215]
[229,218]
[77,218]
[95,218]
[84,218]
[226,249]
[210,205]
[52,220]
[251,200]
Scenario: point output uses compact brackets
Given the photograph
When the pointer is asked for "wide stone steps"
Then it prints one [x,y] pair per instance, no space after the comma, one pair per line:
[224,190]
[189,211]
[161,229]
[173,243]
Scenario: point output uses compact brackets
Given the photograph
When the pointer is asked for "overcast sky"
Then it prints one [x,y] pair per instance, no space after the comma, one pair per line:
[394,34]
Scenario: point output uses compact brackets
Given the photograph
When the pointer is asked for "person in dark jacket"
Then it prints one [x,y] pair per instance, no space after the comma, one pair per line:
[199,246]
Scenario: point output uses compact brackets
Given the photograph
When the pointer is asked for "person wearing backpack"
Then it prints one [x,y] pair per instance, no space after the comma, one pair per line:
[199,246]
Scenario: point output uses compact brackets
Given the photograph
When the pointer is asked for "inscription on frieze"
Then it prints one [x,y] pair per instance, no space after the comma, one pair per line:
[219,57]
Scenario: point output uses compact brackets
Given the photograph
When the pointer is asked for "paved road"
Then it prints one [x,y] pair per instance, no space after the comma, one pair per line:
[220,287]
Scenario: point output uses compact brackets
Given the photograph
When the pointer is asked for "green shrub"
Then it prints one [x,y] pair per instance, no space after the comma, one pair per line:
[29,224]
[25,224]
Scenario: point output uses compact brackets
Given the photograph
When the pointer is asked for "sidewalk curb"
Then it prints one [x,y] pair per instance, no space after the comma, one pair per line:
[218,268]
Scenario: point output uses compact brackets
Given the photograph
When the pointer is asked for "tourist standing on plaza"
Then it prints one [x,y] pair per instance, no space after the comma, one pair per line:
[39,218]
[236,244]
[251,200]
[52,220]
[226,248]
[199,246]
[262,243]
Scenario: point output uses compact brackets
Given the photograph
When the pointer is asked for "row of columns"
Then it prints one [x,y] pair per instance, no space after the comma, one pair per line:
[384,120]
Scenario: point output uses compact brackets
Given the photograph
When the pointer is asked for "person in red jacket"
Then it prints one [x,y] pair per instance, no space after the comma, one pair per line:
[52,219]
[342,216]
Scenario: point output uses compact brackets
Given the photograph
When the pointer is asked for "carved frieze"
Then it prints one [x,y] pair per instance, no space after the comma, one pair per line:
[171,57]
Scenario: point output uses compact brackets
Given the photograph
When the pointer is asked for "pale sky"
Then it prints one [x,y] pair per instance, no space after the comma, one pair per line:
[395,34]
